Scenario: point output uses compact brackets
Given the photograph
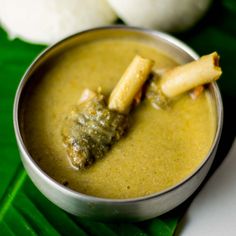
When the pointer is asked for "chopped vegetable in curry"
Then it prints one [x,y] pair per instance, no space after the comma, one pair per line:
[91,129]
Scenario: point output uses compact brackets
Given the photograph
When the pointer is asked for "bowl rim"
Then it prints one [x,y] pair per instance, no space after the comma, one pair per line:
[35,167]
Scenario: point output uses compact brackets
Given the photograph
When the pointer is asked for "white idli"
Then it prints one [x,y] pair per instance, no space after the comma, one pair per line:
[47,21]
[165,15]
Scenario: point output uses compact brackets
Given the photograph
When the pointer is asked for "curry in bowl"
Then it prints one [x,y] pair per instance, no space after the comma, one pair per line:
[161,145]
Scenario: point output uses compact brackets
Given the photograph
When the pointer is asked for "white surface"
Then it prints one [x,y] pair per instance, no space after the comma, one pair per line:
[213,211]
[47,21]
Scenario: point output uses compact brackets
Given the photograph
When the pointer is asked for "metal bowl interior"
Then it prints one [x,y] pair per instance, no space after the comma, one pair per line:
[114,209]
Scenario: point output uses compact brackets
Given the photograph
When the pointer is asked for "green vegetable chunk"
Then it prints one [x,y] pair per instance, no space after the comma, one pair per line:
[155,95]
[91,129]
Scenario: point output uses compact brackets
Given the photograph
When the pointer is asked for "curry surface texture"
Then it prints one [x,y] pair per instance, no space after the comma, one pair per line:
[162,147]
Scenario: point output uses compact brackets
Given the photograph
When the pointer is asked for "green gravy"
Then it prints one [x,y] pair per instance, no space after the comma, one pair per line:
[162,147]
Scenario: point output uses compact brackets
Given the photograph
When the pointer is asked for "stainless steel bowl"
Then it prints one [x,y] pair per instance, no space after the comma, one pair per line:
[135,209]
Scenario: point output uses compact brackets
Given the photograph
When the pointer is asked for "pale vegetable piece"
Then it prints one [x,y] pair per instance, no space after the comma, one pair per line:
[165,15]
[47,21]
[185,77]
[167,83]
[130,84]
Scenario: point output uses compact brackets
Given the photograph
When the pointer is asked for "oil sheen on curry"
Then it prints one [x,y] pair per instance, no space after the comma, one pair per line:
[161,148]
